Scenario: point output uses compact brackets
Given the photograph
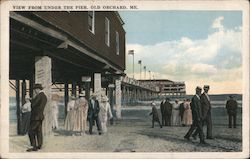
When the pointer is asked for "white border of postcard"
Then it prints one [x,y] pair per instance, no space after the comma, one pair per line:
[7,5]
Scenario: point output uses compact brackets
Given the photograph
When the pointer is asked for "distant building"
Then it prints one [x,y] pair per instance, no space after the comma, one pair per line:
[166,87]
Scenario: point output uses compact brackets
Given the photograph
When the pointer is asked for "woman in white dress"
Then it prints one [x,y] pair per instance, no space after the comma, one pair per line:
[70,118]
[187,116]
[81,107]
[26,112]
[176,114]
[54,106]
[105,110]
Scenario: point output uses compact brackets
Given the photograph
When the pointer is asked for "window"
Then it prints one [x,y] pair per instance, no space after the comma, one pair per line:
[107,32]
[117,43]
[91,21]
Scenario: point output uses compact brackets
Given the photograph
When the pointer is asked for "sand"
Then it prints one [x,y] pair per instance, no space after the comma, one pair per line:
[133,133]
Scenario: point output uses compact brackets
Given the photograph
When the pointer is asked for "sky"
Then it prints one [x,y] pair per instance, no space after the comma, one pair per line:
[198,47]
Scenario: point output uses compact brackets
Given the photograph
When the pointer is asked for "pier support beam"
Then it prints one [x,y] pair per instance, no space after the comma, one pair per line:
[18,111]
[43,75]
[97,85]
[118,98]
[66,98]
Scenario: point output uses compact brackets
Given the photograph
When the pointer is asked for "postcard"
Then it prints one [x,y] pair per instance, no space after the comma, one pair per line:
[124,79]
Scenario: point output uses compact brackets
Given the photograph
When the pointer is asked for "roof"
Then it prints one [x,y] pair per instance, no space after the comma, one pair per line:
[119,17]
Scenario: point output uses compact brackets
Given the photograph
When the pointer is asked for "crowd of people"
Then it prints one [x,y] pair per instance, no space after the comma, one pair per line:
[195,113]
[82,113]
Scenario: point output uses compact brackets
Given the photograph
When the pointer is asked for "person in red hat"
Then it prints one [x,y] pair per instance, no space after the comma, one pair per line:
[37,107]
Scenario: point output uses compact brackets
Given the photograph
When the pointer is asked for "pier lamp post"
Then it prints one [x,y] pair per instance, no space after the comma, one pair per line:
[145,70]
[149,72]
[139,62]
[131,52]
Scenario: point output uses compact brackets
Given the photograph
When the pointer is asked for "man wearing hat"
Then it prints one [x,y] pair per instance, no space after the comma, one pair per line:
[37,107]
[168,112]
[197,116]
[206,112]
[93,112]
[163,114]
[231,107]
[155,115]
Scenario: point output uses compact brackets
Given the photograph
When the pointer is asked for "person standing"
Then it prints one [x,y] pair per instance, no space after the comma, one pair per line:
[37,107]
[187,115]
[26,112]
[55,111]
[163,112]
[232,107]
[81,108]
[182,109]
[105,111]
[176,113]
[197,117]
[70,118]
[168,112]
[155,115]
[93,116]
[206,113]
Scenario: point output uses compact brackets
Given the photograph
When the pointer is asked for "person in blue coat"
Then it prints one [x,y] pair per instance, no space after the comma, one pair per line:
[93,114]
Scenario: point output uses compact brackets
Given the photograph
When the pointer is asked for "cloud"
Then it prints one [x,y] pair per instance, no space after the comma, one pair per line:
[217,58]
[217,23]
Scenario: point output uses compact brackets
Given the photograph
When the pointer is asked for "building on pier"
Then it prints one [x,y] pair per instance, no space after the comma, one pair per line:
[166,87]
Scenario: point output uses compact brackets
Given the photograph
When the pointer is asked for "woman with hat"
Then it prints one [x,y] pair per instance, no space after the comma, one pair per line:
[69,120]
[105,110]
[26,111]
[176,113]
[81,107]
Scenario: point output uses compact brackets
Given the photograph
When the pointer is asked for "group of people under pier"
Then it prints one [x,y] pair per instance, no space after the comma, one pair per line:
[96,111]
[195,113]
[79,111]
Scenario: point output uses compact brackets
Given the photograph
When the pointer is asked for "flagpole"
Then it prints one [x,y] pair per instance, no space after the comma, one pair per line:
[131,52]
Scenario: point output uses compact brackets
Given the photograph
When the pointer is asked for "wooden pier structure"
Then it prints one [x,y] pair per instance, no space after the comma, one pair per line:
[74,52]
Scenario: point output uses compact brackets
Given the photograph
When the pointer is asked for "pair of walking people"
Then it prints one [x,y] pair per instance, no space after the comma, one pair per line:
[166,111]
[98,113]
[77,115]
[201,114]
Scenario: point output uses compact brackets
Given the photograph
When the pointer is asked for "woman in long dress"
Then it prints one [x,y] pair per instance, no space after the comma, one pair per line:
[176,114]
[26,112]
[55,111]
[187,116]
[70,118]
[81,107]
[105,110]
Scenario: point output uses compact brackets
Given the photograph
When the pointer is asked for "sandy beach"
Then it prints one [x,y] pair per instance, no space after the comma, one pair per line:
[133,133]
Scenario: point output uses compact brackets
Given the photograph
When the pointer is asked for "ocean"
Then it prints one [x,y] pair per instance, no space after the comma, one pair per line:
[218,107]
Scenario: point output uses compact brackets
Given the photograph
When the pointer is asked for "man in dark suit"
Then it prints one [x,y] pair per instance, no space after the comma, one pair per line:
[197,116]
[93,112]
[163,114]
[155,115]
[37,107]
[168,112]
[206,113]
[182,109]
[231,107]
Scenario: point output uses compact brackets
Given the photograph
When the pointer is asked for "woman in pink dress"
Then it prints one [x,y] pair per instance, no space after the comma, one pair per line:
[187,116]
[81,108]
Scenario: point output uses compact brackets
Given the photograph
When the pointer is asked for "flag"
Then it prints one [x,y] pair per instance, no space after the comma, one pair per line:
[139,62]
[131,52]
